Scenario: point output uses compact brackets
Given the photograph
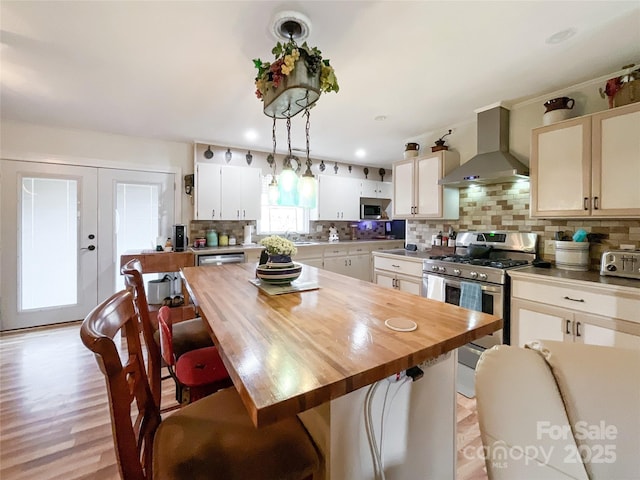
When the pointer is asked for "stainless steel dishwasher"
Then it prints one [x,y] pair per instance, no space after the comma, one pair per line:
[220,258]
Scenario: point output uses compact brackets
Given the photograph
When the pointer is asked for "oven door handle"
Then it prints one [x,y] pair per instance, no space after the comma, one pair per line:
[485,288]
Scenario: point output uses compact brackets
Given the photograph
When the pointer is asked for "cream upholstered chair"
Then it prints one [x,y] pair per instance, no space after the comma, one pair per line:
[559,410]
[212,438]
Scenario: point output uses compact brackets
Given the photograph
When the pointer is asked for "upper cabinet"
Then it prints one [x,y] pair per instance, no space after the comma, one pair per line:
[338,198]
[416,193]
[207,197]
[588,166]
[376,189]
[227,193]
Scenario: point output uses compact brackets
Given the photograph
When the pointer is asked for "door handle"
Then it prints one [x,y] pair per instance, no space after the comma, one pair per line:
[567,331]
[595,203]
[586,203]
[578,329]
[90,248]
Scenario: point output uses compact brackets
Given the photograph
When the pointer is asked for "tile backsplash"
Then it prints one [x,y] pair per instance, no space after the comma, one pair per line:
[505,206]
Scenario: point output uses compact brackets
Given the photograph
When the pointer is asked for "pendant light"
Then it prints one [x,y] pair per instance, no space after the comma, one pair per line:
[308,186]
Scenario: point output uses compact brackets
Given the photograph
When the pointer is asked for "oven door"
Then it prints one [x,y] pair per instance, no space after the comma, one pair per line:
[492,303]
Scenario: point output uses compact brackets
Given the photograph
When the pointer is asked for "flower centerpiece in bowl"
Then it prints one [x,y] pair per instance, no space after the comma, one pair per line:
[294,67]
[279,269]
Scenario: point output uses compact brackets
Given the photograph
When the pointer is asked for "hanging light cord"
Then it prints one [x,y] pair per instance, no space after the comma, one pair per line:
[287,162]
[273,136]
[307,114]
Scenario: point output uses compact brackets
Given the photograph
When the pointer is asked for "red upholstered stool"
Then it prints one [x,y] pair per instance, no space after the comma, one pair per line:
[197,373]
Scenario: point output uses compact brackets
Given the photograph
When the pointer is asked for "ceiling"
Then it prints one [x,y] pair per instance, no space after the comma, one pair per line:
[182,70]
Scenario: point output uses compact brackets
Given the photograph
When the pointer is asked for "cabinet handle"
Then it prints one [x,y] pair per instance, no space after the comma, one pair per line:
[595,203]
[213,213]
[586,203]
[345,263]
[574,299]
[578,329]
[395,266]
[567,324]
[349,262]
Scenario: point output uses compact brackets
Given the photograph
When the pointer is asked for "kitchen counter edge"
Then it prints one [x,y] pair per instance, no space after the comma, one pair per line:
[589,278]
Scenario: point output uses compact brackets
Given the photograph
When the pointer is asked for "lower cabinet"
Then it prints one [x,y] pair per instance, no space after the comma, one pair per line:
[352,261]
[392,271]
[533,318]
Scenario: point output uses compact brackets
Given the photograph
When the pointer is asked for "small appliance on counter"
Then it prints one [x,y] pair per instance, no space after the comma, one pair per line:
[180,240]
[621,263]
[333,234]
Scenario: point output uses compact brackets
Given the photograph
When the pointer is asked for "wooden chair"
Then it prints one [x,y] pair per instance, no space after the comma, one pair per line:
[197,373]
[211,438]
[187,335]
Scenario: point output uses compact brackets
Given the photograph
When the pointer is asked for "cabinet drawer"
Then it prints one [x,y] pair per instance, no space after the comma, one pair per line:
[336,251]
[612,305]
[398,265]
[311,251]
[359,249]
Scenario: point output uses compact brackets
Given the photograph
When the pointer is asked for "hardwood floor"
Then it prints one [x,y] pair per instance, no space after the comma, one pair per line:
[54,417]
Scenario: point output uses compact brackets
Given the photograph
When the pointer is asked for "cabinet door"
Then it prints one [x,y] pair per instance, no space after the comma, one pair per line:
[385,190]
[337,264]
[428,192]
[241,188]
[403,188]
[208,195]
[409,285]
[616,162]
[338,198]
[597,335]
[561,169]
[314,262]
[251,192]
[369,188]
[531,321]
[360,267]
[384,279]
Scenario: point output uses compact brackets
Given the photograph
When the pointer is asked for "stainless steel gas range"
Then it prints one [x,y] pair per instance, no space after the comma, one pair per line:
[482,259]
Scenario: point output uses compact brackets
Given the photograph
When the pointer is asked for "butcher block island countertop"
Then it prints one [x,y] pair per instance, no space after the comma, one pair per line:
[291,352]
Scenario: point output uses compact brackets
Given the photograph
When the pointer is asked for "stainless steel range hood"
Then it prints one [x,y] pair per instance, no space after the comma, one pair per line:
[493,163]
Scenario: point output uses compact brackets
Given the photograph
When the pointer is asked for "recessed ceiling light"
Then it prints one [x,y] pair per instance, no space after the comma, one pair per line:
[361,153]
[561,36]
[251,135]
[380,118]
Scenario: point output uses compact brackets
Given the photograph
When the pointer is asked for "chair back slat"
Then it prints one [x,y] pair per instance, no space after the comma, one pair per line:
[132,272]
[127,385]
[166,335]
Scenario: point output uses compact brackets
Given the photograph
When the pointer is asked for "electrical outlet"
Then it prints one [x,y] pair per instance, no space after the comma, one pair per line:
[549,247]
[318,228]
[627,247]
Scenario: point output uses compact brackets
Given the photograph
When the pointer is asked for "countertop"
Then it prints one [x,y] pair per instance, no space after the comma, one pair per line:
[591,276]
[292,352]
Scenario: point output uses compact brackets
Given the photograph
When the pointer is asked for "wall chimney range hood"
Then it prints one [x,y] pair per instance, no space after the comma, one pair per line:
[493,163]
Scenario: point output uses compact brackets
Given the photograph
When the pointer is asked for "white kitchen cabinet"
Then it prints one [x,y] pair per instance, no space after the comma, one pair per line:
[555,309]
[241,189]
[227,193]
[352,261]
[587,166]
[393,271]
[338,198]
[376,189]
[208,197]
[416,192]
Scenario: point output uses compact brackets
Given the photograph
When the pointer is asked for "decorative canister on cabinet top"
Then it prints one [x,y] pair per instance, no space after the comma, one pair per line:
[557,109]
[411,150]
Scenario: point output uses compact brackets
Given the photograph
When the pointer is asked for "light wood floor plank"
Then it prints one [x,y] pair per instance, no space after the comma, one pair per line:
[54,417]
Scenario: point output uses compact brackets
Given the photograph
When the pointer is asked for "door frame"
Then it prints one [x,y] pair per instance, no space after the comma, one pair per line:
[97,163]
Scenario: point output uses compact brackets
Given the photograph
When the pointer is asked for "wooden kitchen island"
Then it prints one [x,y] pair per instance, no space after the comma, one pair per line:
[313,353]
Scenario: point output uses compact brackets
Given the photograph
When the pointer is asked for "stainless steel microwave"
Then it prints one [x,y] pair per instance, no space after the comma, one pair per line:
[370,212]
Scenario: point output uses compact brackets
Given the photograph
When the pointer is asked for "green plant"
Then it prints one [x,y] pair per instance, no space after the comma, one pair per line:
[270,75]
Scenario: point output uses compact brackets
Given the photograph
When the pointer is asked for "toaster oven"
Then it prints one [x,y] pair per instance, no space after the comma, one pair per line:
[621,263]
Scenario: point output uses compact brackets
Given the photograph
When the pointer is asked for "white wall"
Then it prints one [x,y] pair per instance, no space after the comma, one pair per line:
[21,141]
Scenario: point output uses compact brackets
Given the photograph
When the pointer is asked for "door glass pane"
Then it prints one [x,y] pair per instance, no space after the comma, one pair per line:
[137,219]
[49,243]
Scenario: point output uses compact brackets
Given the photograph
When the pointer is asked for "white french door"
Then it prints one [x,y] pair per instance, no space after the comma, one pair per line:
[61,239]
